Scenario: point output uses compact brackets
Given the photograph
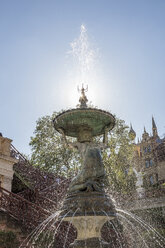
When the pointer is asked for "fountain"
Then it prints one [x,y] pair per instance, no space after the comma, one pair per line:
[87,206]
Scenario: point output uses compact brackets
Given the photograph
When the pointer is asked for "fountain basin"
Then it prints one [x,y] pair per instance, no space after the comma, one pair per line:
[84,123]
[88,204]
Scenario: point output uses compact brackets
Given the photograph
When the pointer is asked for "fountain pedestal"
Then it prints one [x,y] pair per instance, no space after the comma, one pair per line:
[140,192]
[88,212]
[89,232]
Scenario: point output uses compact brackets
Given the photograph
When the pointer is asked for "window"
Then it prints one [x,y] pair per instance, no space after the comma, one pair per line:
[145,149]
[147,164]
[151,180]
[158,141]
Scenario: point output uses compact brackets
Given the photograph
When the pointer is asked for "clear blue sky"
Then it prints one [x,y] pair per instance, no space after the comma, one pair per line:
[35,36]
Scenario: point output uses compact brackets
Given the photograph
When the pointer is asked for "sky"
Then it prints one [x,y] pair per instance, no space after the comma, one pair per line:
[39,73]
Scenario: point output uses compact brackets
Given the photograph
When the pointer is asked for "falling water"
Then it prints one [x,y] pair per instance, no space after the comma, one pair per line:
[139,227]
[46,232]
[69,227]
[33,236]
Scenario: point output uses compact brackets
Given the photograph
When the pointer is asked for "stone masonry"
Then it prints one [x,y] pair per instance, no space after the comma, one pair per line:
[6,163]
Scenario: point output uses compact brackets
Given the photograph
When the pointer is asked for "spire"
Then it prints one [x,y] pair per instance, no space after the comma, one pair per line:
[145,135]
[132,133]
[153,123]
[154,128]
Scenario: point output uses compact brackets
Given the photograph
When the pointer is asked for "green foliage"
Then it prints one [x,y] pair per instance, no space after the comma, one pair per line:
[8,239]
[49,151]
[44,239]
[118,158]
[163,185]
[19,183]
[23,180]
[154,217]
[151,238]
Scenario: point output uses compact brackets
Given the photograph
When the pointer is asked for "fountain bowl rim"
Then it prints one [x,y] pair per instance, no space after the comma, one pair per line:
[59,121]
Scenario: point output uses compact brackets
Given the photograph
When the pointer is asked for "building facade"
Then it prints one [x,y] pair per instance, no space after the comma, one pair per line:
[149,158]
[6,163]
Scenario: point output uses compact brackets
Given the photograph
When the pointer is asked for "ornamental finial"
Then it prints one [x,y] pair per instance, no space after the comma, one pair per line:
[83,99]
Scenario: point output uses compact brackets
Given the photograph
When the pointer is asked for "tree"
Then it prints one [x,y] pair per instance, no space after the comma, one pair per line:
[49,151]
[118,159]
[51,154]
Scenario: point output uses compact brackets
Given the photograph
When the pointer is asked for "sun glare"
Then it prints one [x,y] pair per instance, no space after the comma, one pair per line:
[82,69]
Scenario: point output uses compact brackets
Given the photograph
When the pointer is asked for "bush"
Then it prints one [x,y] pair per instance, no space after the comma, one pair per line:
[8,239]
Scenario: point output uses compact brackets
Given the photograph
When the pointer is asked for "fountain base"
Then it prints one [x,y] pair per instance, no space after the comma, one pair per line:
[88,212]
[90,243]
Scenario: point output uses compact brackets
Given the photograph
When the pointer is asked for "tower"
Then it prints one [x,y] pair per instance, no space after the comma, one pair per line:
[154,128]
[145,135]
[132,133]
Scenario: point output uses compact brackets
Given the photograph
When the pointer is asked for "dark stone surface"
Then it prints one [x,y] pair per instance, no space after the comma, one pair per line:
[92,174]
[88,204]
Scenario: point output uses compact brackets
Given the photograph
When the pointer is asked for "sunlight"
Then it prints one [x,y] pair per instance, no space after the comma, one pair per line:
[82,69]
